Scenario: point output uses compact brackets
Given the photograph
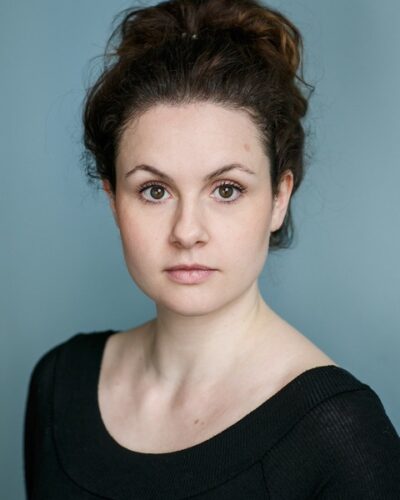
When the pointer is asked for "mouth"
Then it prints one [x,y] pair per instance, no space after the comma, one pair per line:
[190,276]
[191,267]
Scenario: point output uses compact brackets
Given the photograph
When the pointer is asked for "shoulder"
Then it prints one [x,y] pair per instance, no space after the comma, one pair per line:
[353,422]
[355,444]
[57,367]
[361,444]
[338,443]
[44,367]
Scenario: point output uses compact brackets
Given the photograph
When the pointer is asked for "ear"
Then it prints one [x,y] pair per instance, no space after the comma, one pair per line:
[281,200]
[111,198]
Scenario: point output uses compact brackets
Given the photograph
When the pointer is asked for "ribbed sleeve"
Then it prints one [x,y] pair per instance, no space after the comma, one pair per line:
[37,422]
[345,448]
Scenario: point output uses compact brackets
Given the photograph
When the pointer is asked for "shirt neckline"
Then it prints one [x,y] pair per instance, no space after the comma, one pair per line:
[181,472]
[243,421]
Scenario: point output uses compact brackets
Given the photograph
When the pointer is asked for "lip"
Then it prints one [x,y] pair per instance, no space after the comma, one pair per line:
[189,276]
[189,267]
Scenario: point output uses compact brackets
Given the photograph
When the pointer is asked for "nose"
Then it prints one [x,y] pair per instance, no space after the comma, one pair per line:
[188,225]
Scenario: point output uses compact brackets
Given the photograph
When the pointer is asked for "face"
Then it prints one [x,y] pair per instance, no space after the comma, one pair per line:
[223,222]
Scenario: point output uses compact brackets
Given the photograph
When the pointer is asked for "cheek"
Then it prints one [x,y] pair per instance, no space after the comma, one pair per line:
[255,226]
[245,241]
[252,245]
[141,247]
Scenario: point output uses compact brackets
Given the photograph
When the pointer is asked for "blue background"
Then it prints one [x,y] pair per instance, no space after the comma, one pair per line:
[61,264]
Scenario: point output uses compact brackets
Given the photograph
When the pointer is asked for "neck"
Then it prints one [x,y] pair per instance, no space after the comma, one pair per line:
[184,351]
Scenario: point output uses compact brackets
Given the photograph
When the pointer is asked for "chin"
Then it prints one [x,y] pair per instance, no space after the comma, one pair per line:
[188,303]
[194,301]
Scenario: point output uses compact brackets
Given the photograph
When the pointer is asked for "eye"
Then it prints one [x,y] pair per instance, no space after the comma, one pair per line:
[227,187]
[156,191]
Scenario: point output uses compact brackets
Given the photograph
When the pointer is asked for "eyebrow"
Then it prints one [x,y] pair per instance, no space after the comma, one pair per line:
[216,173]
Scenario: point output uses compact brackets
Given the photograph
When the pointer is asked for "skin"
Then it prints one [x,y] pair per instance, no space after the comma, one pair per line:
[218,340]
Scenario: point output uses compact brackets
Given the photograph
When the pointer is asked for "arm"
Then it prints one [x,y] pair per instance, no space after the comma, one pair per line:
[362,449]
[37,417]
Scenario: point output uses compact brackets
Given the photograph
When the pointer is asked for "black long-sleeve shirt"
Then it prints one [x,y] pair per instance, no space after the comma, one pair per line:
[324,435]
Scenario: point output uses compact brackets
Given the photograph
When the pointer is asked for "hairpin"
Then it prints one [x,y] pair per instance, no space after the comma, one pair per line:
[194,36]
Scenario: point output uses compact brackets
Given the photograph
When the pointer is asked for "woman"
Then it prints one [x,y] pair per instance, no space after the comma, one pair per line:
[195,132]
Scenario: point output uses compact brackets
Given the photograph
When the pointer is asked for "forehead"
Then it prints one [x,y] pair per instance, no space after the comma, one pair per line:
[204,132]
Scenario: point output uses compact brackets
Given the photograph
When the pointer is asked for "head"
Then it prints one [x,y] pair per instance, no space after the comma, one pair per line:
[189,106]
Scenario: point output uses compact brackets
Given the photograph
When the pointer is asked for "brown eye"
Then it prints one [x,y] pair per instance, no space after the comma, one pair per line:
[157,192]
[226,191]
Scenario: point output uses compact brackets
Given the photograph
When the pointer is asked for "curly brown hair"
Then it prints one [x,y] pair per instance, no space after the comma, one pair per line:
[236,53]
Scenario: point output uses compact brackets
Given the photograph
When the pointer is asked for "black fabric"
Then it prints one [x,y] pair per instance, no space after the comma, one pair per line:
[325,435]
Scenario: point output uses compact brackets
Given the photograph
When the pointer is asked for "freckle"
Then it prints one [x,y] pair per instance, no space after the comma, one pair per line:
[196,421]
[246,147]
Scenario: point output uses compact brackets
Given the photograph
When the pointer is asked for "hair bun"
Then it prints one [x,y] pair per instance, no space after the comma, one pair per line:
[246,21]
[269,31]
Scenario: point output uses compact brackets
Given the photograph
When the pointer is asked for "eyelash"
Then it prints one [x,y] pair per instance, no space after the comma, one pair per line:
[147,185]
